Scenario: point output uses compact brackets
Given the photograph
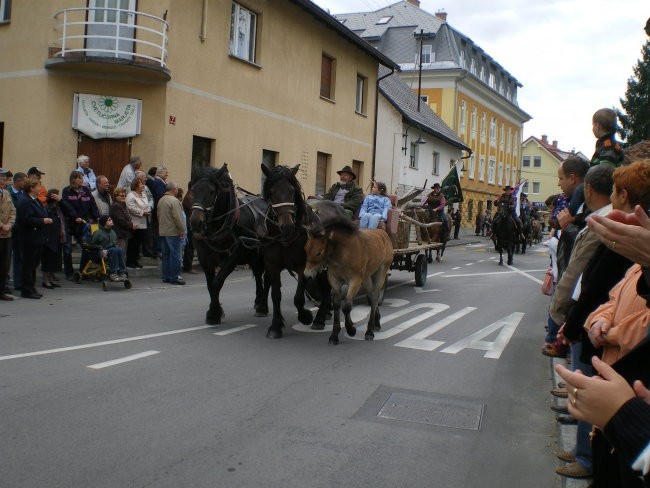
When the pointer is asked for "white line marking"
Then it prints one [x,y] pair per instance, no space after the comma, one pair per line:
[105,343]
[523,273]
[468,264]
[122,360]
[420,341]
[235,329]
[422,290]
[434,308]
[455,268]
[435,274]
[481,260]
[496,273]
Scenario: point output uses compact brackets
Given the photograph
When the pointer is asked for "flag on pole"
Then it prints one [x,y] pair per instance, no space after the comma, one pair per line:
[450,187]
[517,190]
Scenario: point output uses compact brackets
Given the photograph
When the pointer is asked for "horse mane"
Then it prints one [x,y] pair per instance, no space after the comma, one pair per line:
[279,173]
[341,224]
[207,172]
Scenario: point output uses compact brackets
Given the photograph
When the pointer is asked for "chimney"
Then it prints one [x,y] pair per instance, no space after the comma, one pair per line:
[555,144]
[442,15]
[544,138]
[414,2]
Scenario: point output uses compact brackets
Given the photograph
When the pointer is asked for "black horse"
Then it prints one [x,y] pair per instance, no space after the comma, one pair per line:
[219,221]
[284,244]
[525,239]
[505,231]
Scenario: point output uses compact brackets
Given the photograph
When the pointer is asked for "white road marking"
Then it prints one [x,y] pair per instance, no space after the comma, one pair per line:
[105,343]
[420,341]
[524,273]
[455,268]
[122,360]
[508,325]
[234,329]
[434,308]
[481,260]
[468,264]
[462,275]
[419,289]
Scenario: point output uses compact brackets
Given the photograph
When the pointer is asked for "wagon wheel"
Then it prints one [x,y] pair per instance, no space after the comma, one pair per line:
[421,270]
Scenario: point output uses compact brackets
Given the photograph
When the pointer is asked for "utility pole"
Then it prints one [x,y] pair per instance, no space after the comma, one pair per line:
[420,73]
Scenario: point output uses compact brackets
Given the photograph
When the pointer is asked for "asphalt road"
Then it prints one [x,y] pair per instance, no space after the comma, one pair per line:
[128,388]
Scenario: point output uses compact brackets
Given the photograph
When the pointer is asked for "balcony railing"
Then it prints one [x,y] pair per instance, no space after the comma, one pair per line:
[111,33]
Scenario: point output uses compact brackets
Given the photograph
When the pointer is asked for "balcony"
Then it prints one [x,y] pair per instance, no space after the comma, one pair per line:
[110,41]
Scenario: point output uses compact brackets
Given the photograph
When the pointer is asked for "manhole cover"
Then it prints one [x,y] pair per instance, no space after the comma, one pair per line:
[432,410]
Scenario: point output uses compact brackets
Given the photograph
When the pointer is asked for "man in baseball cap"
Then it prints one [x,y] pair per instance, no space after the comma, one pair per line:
[34,171]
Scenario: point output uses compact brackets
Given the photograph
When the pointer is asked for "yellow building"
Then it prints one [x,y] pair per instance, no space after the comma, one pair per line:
[185,82]
[466,87]
[540,160]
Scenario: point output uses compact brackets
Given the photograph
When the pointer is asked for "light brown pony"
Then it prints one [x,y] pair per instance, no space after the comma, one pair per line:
[352,258]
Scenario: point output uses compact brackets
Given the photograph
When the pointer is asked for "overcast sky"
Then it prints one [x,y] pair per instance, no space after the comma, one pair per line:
[572,56]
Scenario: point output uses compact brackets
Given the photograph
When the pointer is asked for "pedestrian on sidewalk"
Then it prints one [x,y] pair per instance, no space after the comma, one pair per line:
[171,227]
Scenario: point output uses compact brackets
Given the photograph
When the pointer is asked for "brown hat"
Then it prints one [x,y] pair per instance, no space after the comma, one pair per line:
[35,171]
[507,188]
[435,185]
[347,169]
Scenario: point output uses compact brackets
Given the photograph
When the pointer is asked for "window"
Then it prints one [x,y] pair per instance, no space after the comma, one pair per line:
[493,130]
[514,174]
[537,161]
[243,25]
[492,81]
[413,160]
[5,11]
[328,65]
[502,131]
[362,83]
[463,116]
[426,54]
[509,141]
[384,20]
[536,187]
[481,169]
[500,174]
[472,66]
[491,167]
[483,127]
[322,165]
[525,161]
[462,59]
[474,121]
[482,74]
[506,175]
[436,163]
[472,163]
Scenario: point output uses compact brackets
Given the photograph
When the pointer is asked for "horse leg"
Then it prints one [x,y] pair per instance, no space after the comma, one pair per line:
[510,253]
[277,324]
[336,326]
[261,291]
[215,313]
[325,302]
[304,315]
[500,256]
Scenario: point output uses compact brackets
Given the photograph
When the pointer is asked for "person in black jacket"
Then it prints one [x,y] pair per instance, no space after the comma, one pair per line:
[32,219]
[83,209]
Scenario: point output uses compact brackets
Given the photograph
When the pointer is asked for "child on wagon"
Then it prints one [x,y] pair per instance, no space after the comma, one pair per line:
[374,207]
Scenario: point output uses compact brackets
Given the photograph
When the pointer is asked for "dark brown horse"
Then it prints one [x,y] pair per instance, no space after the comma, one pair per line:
[219,221]
[283,246]
[505,232]
[352,258]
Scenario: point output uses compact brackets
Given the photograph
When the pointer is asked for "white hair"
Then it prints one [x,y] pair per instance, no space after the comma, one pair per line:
[160,169]
[82,159]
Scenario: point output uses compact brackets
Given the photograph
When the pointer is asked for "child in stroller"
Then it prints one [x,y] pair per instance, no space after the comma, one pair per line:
[103,242]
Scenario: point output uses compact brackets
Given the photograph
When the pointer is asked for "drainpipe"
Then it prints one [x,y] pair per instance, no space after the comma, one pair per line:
[204,22]
[374,136]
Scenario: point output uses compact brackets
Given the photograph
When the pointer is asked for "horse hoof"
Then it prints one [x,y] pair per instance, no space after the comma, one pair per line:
[438,259]
[501,263]
[317,325]
[369,336]
[334,341]
[352,331]
[212,320]
[274,334]
[430,260]
[305,317]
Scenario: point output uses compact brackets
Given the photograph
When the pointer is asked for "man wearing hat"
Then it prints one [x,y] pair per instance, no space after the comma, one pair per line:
[509,199]
[7,220]
[34,172]
[435,203]
[105,239]
[346,192]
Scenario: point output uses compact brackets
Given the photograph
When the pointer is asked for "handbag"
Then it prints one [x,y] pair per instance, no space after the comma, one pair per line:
[547,284]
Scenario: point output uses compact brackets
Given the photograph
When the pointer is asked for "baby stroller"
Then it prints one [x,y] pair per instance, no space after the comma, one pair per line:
[93,264]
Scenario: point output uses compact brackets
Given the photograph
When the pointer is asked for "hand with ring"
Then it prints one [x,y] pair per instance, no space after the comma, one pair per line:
[596,399]
[627,234]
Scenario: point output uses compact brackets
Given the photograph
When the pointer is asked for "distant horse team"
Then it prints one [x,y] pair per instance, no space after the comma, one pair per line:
[315,241]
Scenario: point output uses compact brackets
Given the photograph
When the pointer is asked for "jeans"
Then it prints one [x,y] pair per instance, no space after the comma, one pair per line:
[115,260]
[551,330]
[171,257]
[583,444]
[369,221]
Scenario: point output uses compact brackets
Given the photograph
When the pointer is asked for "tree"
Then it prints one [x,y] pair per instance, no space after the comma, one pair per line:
[635,120]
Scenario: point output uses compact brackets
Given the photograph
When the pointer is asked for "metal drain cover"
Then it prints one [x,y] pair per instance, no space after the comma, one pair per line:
[432,410]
